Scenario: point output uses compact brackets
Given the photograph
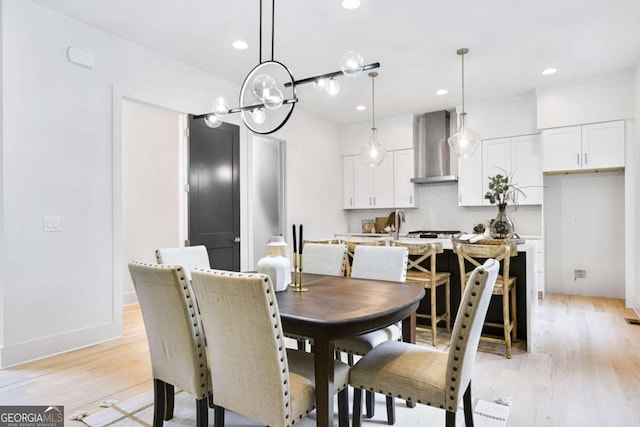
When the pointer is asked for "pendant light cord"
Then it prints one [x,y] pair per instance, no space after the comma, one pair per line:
[373,103]
[260,47]
[273,24]
[462,82]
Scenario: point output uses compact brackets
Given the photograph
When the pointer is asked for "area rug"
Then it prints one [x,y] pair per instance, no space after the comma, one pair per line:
[138,411]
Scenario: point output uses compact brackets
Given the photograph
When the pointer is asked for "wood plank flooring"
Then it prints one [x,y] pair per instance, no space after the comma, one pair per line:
[584,371]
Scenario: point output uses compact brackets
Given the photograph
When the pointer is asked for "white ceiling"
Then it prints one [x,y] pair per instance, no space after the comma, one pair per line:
[510,42]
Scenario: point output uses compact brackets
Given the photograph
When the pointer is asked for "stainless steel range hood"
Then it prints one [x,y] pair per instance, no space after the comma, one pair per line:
[432,159]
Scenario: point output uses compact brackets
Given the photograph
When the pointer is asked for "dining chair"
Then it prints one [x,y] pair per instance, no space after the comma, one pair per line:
[473,254]
[421,256]
[427,376]
[379,263]
[189,257]
[252,373]
[351,247]
[175,337]
[329,259]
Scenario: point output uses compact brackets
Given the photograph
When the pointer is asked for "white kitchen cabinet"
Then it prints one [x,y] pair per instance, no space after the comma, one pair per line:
[496,159]
[372,187]
[470,180]
[526,164]
[585,147]
[403,171]
[347,180]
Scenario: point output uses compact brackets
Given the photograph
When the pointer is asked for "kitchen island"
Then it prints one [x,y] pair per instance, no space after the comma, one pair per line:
[524,267]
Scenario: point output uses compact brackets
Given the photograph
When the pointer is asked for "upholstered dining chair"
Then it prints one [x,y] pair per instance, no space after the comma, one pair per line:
[474,254]
[320,258]
[425,375]
[189,257]
[428,276]
[175,337]
[351,247]
[261,380]
[378,263]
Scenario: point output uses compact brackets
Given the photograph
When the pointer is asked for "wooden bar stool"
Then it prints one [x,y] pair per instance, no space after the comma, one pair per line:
[505,284]
[429,278]
[351,247]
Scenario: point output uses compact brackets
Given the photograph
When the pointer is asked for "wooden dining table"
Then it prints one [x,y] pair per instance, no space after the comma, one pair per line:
[337,307]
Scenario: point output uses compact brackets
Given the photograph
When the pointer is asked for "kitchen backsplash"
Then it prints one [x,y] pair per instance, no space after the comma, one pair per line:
[438,210]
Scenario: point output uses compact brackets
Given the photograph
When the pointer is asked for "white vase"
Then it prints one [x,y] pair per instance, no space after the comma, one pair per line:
[278,268]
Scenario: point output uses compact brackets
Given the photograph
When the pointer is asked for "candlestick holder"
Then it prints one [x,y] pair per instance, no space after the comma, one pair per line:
[297,274]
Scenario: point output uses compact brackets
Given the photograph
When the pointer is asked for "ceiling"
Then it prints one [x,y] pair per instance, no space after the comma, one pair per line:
[510,42]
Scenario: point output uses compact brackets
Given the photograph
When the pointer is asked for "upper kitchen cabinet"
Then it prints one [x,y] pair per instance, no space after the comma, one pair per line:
[470,189]
[587,147]
[403,189]
[347,180]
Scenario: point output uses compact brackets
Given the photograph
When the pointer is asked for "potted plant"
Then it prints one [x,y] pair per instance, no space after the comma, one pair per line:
[502,190]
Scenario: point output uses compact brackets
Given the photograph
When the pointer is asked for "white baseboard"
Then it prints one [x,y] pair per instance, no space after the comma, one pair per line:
[49,346]
[129,298]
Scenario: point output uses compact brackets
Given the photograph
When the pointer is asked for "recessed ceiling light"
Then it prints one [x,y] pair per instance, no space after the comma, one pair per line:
[351,4]
[442,92]
[361,108]
[549,71]
[240,44]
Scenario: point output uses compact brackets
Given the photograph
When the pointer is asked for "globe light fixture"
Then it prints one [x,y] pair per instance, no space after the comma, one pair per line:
[373,153]
[464,142]
[268,93]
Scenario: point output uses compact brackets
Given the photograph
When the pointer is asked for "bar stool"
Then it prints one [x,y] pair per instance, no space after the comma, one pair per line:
[351,247]
[505,285]
[430,279]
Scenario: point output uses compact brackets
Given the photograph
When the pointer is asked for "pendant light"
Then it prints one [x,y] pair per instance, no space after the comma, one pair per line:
[373,153]
[464,142]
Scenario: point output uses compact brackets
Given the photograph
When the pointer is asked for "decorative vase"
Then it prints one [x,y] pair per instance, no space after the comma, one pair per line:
[502,226]
[276,265]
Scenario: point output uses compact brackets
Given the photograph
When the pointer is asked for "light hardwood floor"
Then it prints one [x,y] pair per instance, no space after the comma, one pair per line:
[584,371]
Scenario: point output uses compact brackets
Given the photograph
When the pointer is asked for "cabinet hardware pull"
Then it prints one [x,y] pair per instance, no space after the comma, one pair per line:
[350,201]
[374,201]
[578,159]
[370,201]
[410,199]
[586,159]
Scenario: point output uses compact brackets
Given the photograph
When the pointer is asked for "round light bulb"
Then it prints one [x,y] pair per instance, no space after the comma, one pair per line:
[332,87]
[373,153]
[262,83]
[258,116]
[465,142]
[212,121]
[272,98]
[319,85]
[220,107]
[352,63]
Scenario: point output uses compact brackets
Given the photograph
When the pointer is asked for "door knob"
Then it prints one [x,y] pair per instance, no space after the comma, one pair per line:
[236,240]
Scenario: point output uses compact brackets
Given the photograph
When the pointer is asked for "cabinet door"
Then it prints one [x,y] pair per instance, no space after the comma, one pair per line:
[526,165]
[347,190]
[496,159]
[403,171]
[383,183]
[603,145]
[362,184]
[470,180]
[562,149]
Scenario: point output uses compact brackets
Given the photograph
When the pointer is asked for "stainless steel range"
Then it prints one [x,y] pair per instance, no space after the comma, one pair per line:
[432,234]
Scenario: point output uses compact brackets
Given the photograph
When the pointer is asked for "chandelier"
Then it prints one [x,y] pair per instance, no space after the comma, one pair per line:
[268,93]
[464,142]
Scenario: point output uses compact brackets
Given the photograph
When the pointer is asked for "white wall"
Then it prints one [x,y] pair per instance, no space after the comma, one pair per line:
[61,155]
[635,279]
[150,186]
[584,229]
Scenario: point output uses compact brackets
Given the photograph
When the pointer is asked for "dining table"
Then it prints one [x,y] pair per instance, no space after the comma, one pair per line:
[335,307]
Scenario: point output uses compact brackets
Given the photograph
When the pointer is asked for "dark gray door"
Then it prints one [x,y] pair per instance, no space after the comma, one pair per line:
[214,192]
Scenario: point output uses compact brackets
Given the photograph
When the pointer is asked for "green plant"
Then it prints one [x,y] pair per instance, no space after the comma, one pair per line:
[502,190]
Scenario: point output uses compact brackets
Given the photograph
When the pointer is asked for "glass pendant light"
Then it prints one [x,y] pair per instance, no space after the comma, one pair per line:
[464,142]
[373,153]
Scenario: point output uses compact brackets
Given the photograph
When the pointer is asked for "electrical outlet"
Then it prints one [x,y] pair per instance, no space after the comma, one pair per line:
[579,274]
[52,223]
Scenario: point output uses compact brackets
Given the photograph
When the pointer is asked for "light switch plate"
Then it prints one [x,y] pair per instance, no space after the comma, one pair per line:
[52,223]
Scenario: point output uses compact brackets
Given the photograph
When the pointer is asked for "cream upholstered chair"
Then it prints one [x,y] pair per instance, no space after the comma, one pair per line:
[189,257]
[254,374]
[176,340]
[430,279]
[351,247]
[425,375]
[320,258]
[378,263]
[474,254]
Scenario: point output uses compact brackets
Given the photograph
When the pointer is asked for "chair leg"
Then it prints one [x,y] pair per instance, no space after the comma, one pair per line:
[434,316]
[218,416]
[370,403]
[468,410]
[451,419]
[302,345]
[506,320]
[391,410]
[169,394]
[350,359]
[338,355]
[357,407]
[202,412]
[343,407]
[514,331]
[447,302]
[211,405]
[158,402]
